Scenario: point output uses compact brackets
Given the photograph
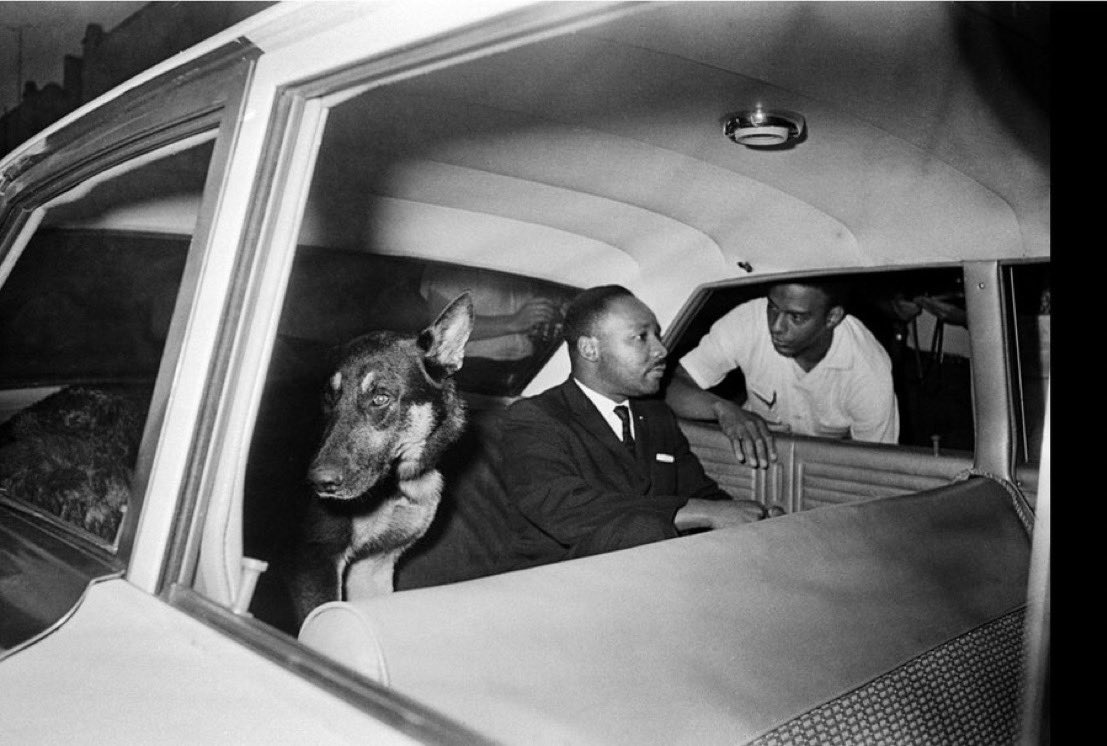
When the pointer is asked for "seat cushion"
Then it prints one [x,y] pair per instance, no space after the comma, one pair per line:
[713,638]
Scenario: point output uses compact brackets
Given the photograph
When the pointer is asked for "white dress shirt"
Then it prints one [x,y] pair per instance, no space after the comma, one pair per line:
[606,406]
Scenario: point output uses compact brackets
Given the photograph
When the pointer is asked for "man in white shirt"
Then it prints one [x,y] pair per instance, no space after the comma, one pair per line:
[810,369]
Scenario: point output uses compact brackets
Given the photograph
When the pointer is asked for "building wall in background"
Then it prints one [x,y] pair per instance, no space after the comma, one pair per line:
[155,32]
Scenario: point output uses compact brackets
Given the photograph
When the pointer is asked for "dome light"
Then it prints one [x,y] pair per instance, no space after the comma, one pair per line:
[761,128]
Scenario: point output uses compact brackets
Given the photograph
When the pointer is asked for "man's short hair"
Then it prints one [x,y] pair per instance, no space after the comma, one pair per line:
[837,292]
[586,308]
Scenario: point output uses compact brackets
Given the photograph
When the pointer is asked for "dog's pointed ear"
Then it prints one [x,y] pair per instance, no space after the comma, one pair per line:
[443,342]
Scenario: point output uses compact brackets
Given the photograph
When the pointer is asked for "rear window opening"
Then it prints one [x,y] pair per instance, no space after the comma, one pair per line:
[916,315]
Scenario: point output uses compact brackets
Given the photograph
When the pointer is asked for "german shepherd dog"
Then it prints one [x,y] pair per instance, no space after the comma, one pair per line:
[391,410]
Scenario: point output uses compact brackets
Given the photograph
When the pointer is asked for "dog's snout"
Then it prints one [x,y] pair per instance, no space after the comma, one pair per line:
[325,478]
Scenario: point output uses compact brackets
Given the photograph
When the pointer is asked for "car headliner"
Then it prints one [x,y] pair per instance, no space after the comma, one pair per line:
[923,143]
[927,141]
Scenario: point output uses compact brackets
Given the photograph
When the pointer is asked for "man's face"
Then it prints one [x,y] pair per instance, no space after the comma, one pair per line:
[631,358]
[800,320]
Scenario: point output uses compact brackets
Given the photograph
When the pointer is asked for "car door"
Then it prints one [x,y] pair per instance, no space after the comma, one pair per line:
[103,234]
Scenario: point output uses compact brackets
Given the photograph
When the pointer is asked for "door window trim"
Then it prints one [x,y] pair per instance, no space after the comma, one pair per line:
[267,247]
[217,457]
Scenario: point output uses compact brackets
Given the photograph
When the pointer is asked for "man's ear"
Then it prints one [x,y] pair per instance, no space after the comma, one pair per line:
[443,342]
[588,348]
[834,316]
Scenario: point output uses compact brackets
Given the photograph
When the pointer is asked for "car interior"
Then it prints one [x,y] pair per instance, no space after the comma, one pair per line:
[516,176]
[106,337]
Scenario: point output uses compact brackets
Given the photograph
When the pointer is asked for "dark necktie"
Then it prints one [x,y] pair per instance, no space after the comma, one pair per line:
[623,413]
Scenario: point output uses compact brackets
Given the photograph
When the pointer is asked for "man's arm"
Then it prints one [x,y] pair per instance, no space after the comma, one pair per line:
[533,313]
[699,513]
[707,506]
[748,433]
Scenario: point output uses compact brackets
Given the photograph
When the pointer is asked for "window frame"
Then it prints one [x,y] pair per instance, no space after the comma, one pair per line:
[1025,463]
[268,240]
[985,305]
[677,342]
[139,122]
[266,246]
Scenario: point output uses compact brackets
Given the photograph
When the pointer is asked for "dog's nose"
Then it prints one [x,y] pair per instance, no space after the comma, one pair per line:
[325,478]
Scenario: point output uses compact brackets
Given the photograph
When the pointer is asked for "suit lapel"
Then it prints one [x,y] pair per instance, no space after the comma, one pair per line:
[586,414]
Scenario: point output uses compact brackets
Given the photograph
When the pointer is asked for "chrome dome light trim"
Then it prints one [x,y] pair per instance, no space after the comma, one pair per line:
[759,128]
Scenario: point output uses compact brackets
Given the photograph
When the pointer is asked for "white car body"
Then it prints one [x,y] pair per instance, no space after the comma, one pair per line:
[913,163]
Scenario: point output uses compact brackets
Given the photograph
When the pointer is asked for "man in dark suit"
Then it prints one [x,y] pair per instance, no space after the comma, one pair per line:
[590,465]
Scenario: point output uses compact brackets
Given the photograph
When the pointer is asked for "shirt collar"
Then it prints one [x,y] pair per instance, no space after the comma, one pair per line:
[602,402]
[606,407]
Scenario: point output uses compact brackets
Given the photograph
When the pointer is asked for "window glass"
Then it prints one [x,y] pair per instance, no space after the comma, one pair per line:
[917,317]
[367,260]
[1029,306]
[84,314]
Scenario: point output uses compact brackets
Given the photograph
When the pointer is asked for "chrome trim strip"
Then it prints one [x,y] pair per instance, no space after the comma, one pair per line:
[993,405]
[393,708]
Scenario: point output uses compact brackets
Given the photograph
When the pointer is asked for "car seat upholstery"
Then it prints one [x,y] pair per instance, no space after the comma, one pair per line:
[470,536]
[716,637]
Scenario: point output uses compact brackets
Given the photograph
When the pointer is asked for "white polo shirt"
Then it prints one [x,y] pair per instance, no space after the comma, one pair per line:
[849,394]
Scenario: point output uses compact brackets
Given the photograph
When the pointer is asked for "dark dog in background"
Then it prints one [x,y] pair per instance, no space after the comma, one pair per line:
[391,410]
[73,453]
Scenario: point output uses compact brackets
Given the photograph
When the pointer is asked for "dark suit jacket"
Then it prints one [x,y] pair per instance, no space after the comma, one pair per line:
[568,475]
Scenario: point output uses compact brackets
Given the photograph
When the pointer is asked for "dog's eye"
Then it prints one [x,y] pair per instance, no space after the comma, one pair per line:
[380,399]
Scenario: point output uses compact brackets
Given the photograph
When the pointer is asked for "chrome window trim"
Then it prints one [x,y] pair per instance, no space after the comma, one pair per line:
[97,577]
[1035,711]
[391,707]
[993,400]
[140,120]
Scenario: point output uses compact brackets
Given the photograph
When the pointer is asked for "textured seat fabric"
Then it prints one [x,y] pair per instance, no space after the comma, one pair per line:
[966,691]
[719,637]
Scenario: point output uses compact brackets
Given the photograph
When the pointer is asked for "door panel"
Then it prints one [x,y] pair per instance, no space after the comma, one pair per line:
[811,472]
[826,472]
[717,456]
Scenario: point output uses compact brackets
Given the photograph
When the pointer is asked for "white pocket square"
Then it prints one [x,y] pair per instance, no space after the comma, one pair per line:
[665,458]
